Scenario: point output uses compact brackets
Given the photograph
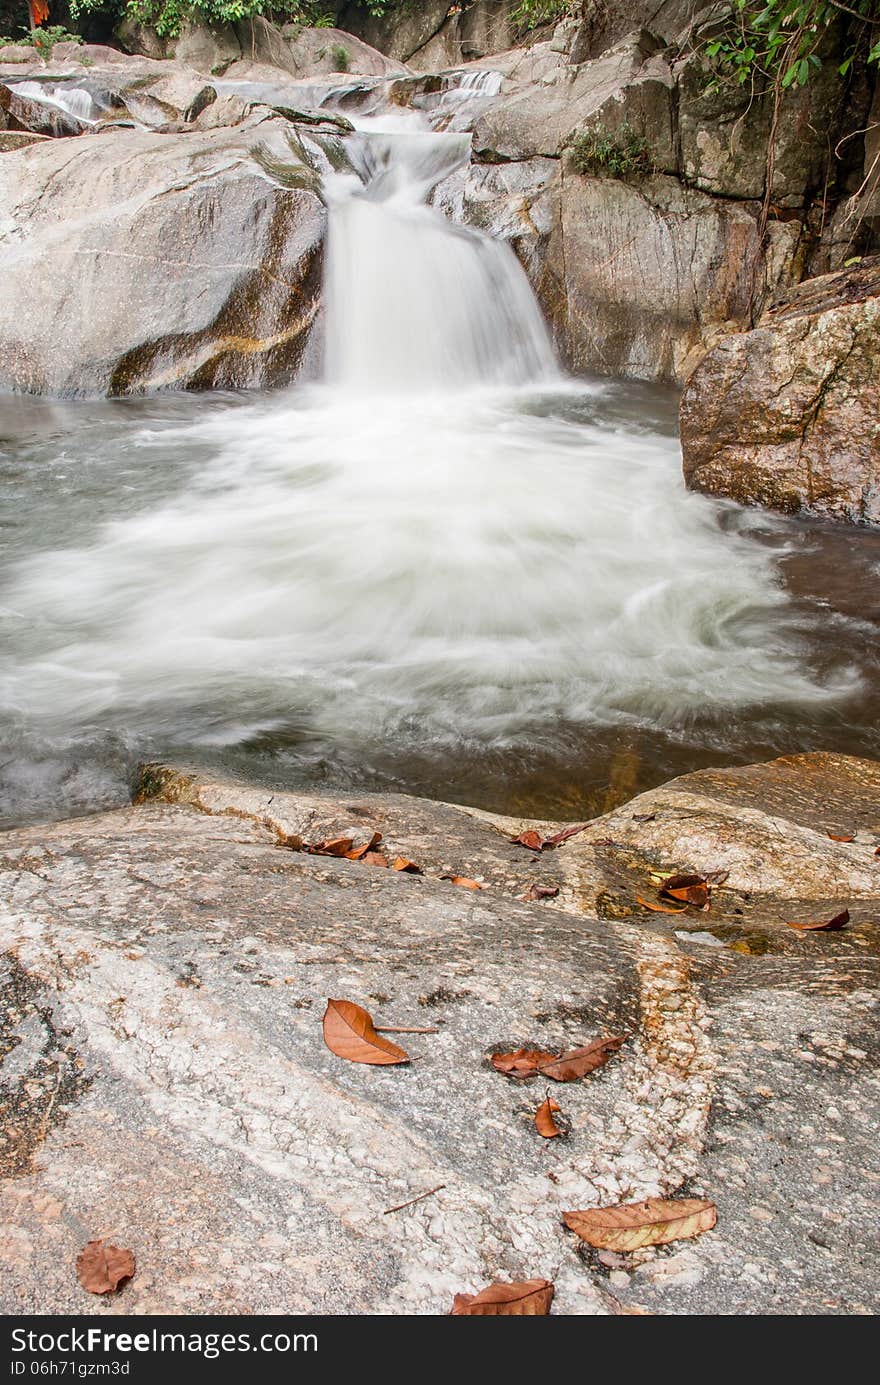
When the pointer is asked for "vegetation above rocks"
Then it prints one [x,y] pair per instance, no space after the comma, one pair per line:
[43,39]
[783,40]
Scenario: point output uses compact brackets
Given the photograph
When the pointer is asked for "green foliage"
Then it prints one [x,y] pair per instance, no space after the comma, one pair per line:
[528,14]
[622,153]
[780,40]
[44,39]
[167,16]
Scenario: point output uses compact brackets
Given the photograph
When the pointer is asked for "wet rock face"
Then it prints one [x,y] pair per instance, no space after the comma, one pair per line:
[787,415]
[158,262]
[171,966]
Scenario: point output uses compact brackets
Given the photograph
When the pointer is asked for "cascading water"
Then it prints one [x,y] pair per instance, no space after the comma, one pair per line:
[444,568]
[73,101]
[413,303]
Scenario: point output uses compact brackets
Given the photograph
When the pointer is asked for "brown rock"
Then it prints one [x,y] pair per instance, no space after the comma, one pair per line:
[788,415]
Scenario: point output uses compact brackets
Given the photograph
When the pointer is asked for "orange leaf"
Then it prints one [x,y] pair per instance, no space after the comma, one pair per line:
[349,1033]
[841,837]
[690,889]
[463,880]
[532,841]
[401,863]
[101,1268]
[634,1225]
[359,852]
[823,926]
[375,858]
[544,1121]
[338,846]
[530,1298]
[523,1062]
[660,908]
[579,1061]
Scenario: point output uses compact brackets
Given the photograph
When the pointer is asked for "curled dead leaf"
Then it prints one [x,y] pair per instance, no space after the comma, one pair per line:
[840,836]
[568,1067]
[660,908]
[359,852]
[522,1062]
[643,817]
[349,1033]
[544,1122]
[634,1225]
[375,858]
[532,841]
[541,892]
[335,846]
[463,880]
[401,863]
[823,926]
[688,889]
[528,1298]
[102,1267]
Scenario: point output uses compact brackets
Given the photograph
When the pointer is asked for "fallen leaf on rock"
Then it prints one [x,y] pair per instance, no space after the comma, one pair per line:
[840,837]
[350,1034]
[101,1268]
[375,858]
[643,817]
[541,892]
[544,1122]
[401,863]
[689,889]
[523,1062]
[661,908]
[824,925]
[463,880]
[634,1225]
[568,1067]
[532,841]
[359,852]
[559,837]
[529,1298]
[337,846]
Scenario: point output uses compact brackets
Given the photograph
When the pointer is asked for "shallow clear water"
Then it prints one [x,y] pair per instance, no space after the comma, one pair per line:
[503,597]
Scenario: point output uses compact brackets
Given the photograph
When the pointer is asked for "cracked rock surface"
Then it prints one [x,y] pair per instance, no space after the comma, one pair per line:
[164,1082]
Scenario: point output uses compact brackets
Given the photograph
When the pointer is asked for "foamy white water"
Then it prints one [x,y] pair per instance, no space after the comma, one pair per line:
[443,544]
[74,100]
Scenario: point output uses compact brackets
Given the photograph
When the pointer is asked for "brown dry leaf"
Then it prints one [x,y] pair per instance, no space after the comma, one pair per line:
[349,1033]
[643,817]
[559,837]
[463,880]
[660,908]
[568,1067]
[401,863]
[840,837]
[544,1122]
[523,1062]
[359,852]
[336,846]
[375,858]
[541,892]
[101,1267]
[689,889]
[533,841]
[529,1298]
[823,926]
[634,1225]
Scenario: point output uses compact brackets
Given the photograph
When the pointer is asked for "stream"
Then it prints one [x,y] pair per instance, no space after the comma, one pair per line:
[443,568]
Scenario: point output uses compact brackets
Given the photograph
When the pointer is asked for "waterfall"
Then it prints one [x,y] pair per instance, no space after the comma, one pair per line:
[414,302]
[75,101]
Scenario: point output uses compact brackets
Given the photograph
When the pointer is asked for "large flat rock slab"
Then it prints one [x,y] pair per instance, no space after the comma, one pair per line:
[165,1084]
